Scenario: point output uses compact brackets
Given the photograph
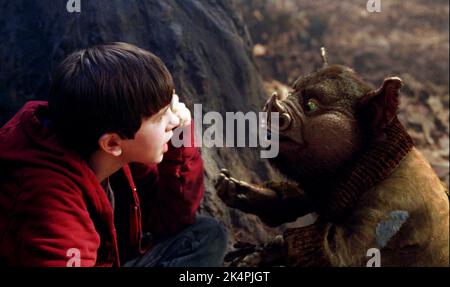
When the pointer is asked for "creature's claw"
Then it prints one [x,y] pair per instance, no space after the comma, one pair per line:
[225,172]
[250,255]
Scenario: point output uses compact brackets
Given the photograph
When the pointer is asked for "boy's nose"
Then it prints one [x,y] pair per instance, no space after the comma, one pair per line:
[174,120]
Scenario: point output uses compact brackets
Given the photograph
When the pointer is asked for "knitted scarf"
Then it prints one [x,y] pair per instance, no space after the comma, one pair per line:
[373,166]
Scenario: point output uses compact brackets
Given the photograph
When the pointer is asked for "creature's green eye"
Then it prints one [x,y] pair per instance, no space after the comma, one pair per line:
[311,106]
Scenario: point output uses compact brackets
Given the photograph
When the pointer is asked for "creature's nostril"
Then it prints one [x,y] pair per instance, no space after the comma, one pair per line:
[274,105]
[285,121]
[277,105]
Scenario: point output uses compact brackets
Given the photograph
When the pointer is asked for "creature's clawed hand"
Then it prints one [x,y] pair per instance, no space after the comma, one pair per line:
[273,202]
[239,194]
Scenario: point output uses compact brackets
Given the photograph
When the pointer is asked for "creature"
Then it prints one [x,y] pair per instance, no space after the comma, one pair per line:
[350,160]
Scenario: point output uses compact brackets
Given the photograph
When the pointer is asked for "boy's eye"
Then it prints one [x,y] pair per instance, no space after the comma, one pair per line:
[311,106]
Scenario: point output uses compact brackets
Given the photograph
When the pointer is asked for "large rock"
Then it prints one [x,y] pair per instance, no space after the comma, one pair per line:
[204,44]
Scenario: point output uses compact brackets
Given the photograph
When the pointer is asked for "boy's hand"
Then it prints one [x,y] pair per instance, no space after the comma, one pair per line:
[180,110]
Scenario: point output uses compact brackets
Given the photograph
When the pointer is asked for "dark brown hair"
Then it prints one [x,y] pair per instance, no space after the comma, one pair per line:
[104,89]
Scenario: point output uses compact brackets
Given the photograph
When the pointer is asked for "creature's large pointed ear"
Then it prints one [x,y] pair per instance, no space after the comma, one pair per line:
[379,107]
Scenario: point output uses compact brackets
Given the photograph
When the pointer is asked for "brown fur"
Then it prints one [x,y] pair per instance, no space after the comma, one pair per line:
[353,163]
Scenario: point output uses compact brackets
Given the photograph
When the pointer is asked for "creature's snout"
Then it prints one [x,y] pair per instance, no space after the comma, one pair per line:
[274,105]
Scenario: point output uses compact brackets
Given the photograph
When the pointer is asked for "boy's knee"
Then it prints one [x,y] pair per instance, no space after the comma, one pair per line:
[215,231]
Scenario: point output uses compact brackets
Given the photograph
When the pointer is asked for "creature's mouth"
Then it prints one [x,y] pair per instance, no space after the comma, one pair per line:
[284,138]
[285,141]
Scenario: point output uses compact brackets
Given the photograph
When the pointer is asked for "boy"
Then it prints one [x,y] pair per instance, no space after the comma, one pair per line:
[73,171]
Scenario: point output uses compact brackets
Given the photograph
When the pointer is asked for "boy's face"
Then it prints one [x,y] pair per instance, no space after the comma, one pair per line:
[150,141]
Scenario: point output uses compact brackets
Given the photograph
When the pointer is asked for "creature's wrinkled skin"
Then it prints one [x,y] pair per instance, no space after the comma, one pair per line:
[352,162]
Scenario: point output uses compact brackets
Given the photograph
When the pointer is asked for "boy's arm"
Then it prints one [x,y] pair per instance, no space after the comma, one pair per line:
[171,192]
[51,228]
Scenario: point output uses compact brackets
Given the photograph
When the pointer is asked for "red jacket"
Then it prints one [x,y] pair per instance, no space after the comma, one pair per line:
[51,203]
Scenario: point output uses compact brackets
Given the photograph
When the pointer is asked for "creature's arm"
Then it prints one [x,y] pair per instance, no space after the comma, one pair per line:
[274,202]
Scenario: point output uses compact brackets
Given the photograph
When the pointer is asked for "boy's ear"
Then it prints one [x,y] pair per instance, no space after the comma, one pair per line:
[379,107]
[111,143]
